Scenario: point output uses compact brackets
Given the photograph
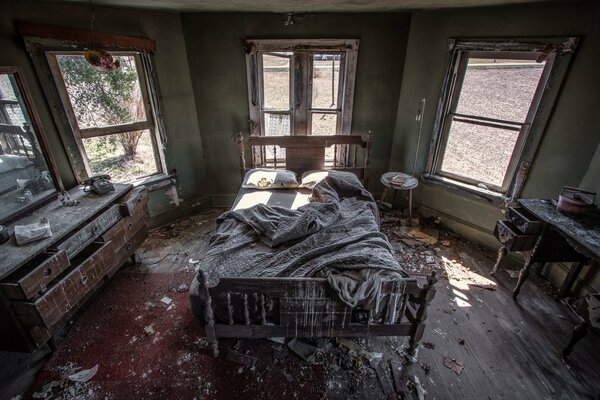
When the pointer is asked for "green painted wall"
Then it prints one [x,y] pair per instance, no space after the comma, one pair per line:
[569,152]
[184,148]
[571,136]
[217,65]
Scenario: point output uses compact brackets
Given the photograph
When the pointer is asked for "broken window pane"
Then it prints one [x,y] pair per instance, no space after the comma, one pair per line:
[325,80]
[276,81]
[277,124]
[323,124]
[102,99]
[124,156]
[479,152]
[499,88]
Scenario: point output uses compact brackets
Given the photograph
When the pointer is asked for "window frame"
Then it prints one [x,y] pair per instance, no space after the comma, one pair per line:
[459,52]
[301,67]
[86,133]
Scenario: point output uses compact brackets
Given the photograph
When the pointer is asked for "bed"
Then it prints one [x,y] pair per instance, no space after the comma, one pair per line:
[300,262]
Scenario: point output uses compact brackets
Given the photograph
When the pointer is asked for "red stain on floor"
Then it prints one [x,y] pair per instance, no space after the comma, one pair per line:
[171,359]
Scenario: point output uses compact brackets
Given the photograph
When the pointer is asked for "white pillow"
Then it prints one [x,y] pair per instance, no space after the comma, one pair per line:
[311,178]
[264,178]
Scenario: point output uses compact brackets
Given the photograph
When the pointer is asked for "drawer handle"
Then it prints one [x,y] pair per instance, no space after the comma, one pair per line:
[48,272]
[84,279]
[129,226]
[128,246]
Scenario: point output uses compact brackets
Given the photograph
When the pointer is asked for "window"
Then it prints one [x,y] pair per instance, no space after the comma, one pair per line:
[489,105]
[110,114]
[298,87]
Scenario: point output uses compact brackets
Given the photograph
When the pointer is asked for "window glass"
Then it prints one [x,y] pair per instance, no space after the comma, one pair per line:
[325,80]
[25,177]
[124,156]
[323,124]
[479,152]
[499,88]
[102,99]
[276,81]
[491,111]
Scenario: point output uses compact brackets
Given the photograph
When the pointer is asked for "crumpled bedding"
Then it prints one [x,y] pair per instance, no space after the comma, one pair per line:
[335,236]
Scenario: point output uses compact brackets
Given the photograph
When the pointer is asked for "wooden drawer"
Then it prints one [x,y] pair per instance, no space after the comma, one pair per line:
[134,201]
[512,238]
[92,265]
[33,278]
[523,220]
[41,334]
[86,235]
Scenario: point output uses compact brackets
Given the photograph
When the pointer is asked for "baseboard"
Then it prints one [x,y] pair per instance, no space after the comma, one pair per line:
[176,213]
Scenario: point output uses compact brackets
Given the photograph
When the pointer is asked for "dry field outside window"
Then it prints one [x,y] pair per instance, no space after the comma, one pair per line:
[498,91]
[276,88]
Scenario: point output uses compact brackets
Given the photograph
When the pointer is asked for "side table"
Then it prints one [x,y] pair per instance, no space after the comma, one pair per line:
[408,182]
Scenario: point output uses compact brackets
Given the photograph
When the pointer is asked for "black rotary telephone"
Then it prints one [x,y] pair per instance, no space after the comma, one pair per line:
[99,184]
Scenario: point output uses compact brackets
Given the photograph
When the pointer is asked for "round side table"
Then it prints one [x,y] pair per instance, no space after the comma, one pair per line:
[408,182]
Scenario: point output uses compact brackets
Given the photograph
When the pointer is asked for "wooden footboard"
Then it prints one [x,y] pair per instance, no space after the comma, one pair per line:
[307,307]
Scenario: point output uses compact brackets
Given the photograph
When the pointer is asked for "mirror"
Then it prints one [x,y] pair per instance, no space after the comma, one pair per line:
[27,176]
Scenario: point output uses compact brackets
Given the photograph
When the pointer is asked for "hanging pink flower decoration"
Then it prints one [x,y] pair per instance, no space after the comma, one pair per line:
[102,60]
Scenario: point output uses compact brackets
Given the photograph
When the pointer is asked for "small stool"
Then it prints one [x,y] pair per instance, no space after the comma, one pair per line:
[409,183]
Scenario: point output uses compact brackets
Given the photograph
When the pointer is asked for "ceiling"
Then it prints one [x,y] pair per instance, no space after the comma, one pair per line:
[283,6]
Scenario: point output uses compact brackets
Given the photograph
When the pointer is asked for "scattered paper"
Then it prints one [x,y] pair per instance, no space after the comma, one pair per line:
[166,300]
[84,375]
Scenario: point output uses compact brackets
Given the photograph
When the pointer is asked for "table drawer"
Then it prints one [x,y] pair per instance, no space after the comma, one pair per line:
[134,201]
[92,265]
[86,235]
[512,238]
[33,278]
[524,220]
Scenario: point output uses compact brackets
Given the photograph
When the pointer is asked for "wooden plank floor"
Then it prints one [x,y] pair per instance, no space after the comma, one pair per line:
[510,349]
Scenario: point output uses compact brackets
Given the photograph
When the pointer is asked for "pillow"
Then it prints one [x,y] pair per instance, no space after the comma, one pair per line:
[311,178]
[264,178]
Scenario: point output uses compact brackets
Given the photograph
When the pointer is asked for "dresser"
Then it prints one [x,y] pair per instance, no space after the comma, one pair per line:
[44,283]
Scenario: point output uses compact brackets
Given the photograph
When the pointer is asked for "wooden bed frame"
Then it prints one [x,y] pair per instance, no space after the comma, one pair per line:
[245,307]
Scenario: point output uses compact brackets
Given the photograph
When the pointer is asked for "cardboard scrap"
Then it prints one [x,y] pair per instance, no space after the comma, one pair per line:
[454,364]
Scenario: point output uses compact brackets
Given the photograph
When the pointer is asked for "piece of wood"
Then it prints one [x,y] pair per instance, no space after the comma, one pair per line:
[84,36]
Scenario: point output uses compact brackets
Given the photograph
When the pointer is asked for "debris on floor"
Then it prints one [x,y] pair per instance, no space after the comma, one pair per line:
[239,358]
[183,288]
[149,330]
[166,300]
[84,375]
[454,364]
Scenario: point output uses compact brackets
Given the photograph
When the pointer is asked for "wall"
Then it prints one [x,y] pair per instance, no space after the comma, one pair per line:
[566,153]
[217,64]
[184,149]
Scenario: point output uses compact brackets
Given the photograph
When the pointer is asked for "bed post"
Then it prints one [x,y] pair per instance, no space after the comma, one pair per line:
[241,149]
[421,314]
[209,318]
[367,153]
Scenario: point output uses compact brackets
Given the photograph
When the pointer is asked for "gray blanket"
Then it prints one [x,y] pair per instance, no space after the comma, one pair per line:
[336,236]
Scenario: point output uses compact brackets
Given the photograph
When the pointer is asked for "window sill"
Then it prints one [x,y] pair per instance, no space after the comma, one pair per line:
[492,197]
[154,182]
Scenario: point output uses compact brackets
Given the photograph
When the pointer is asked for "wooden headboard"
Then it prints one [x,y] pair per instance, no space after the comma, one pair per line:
[304,153]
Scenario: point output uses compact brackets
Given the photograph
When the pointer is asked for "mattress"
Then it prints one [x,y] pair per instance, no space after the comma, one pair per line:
[287,198]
